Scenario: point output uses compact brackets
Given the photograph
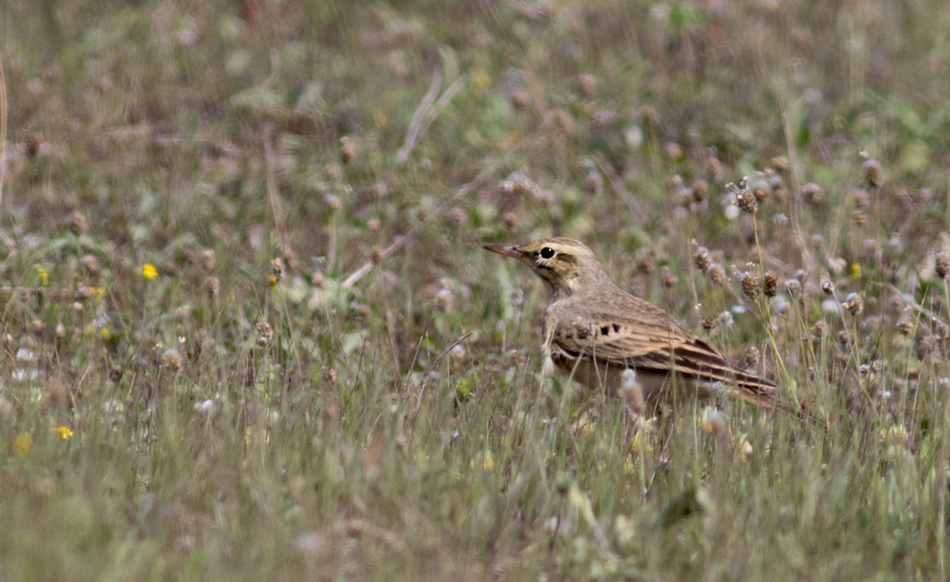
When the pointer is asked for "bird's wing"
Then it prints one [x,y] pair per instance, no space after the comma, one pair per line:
[649,341]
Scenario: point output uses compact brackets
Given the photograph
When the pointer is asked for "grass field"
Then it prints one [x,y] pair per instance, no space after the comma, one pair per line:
[250,331]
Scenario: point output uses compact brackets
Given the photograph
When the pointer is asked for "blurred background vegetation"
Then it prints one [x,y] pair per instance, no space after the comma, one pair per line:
[250,331]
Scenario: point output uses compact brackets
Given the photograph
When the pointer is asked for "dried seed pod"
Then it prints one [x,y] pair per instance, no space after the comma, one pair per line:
[717,273]
[942,264]
[751,282]
[780,163]
[80,224]
[700,190]
[649,115]
[762,190]
[905,325]
[751,357]
[645,262]
[812,193]
[827,287]
[853,303]
[709,322]
[207,259]
[212,287]
[171,360]
[701,259]
[747,202]
[873,174]
[861,198]
[593,182]
[770,284]
[586,84]
[713,168]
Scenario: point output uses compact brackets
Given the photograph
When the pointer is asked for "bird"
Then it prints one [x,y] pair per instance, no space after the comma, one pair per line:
[595,332]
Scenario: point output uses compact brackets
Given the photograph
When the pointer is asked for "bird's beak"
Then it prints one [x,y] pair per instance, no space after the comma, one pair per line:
[505,251]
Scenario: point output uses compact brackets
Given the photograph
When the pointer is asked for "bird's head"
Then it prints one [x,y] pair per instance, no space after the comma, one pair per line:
[564,264]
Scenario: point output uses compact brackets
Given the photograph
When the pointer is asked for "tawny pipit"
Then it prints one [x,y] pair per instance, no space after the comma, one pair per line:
[594,331]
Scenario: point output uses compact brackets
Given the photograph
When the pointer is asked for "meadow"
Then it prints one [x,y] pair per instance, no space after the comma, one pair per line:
[250,331]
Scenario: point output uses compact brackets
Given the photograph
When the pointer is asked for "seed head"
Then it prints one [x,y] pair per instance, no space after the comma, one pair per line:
[859,218]
[264,333]
[700,190]
[347,152]
[713,168]
[208,259]
[673,150]
[751,282]
[669,279]
[171,359]
[853,303]
[593,182]
[762,190]
[709,322]
[649,115]
[277,267]
[812,193]
[827,287]
[717,273]
[818,330]
[91,263]
[374,224]
[645,262]
[212,287]
[456,215]
[861,198]
[701,259]
[905,325]
[511,221]
[770,284]
[376,253]
[942,264]
[751,357]
[780,163]
[333,201]
[747,202]
[873,174]
[586,84]
[80,224]
[115,373]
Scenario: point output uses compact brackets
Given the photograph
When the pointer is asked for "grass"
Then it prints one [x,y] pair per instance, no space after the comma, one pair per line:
[250,331]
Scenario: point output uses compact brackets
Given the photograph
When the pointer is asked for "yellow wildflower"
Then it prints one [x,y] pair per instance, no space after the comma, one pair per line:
[149,272]
[105,333]
[855,270]
[22,443]
[100,294]
[482,80]
[44,276]
[64,432]
[379,118]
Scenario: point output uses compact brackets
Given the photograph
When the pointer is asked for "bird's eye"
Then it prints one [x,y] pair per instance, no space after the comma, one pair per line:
[547,253]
